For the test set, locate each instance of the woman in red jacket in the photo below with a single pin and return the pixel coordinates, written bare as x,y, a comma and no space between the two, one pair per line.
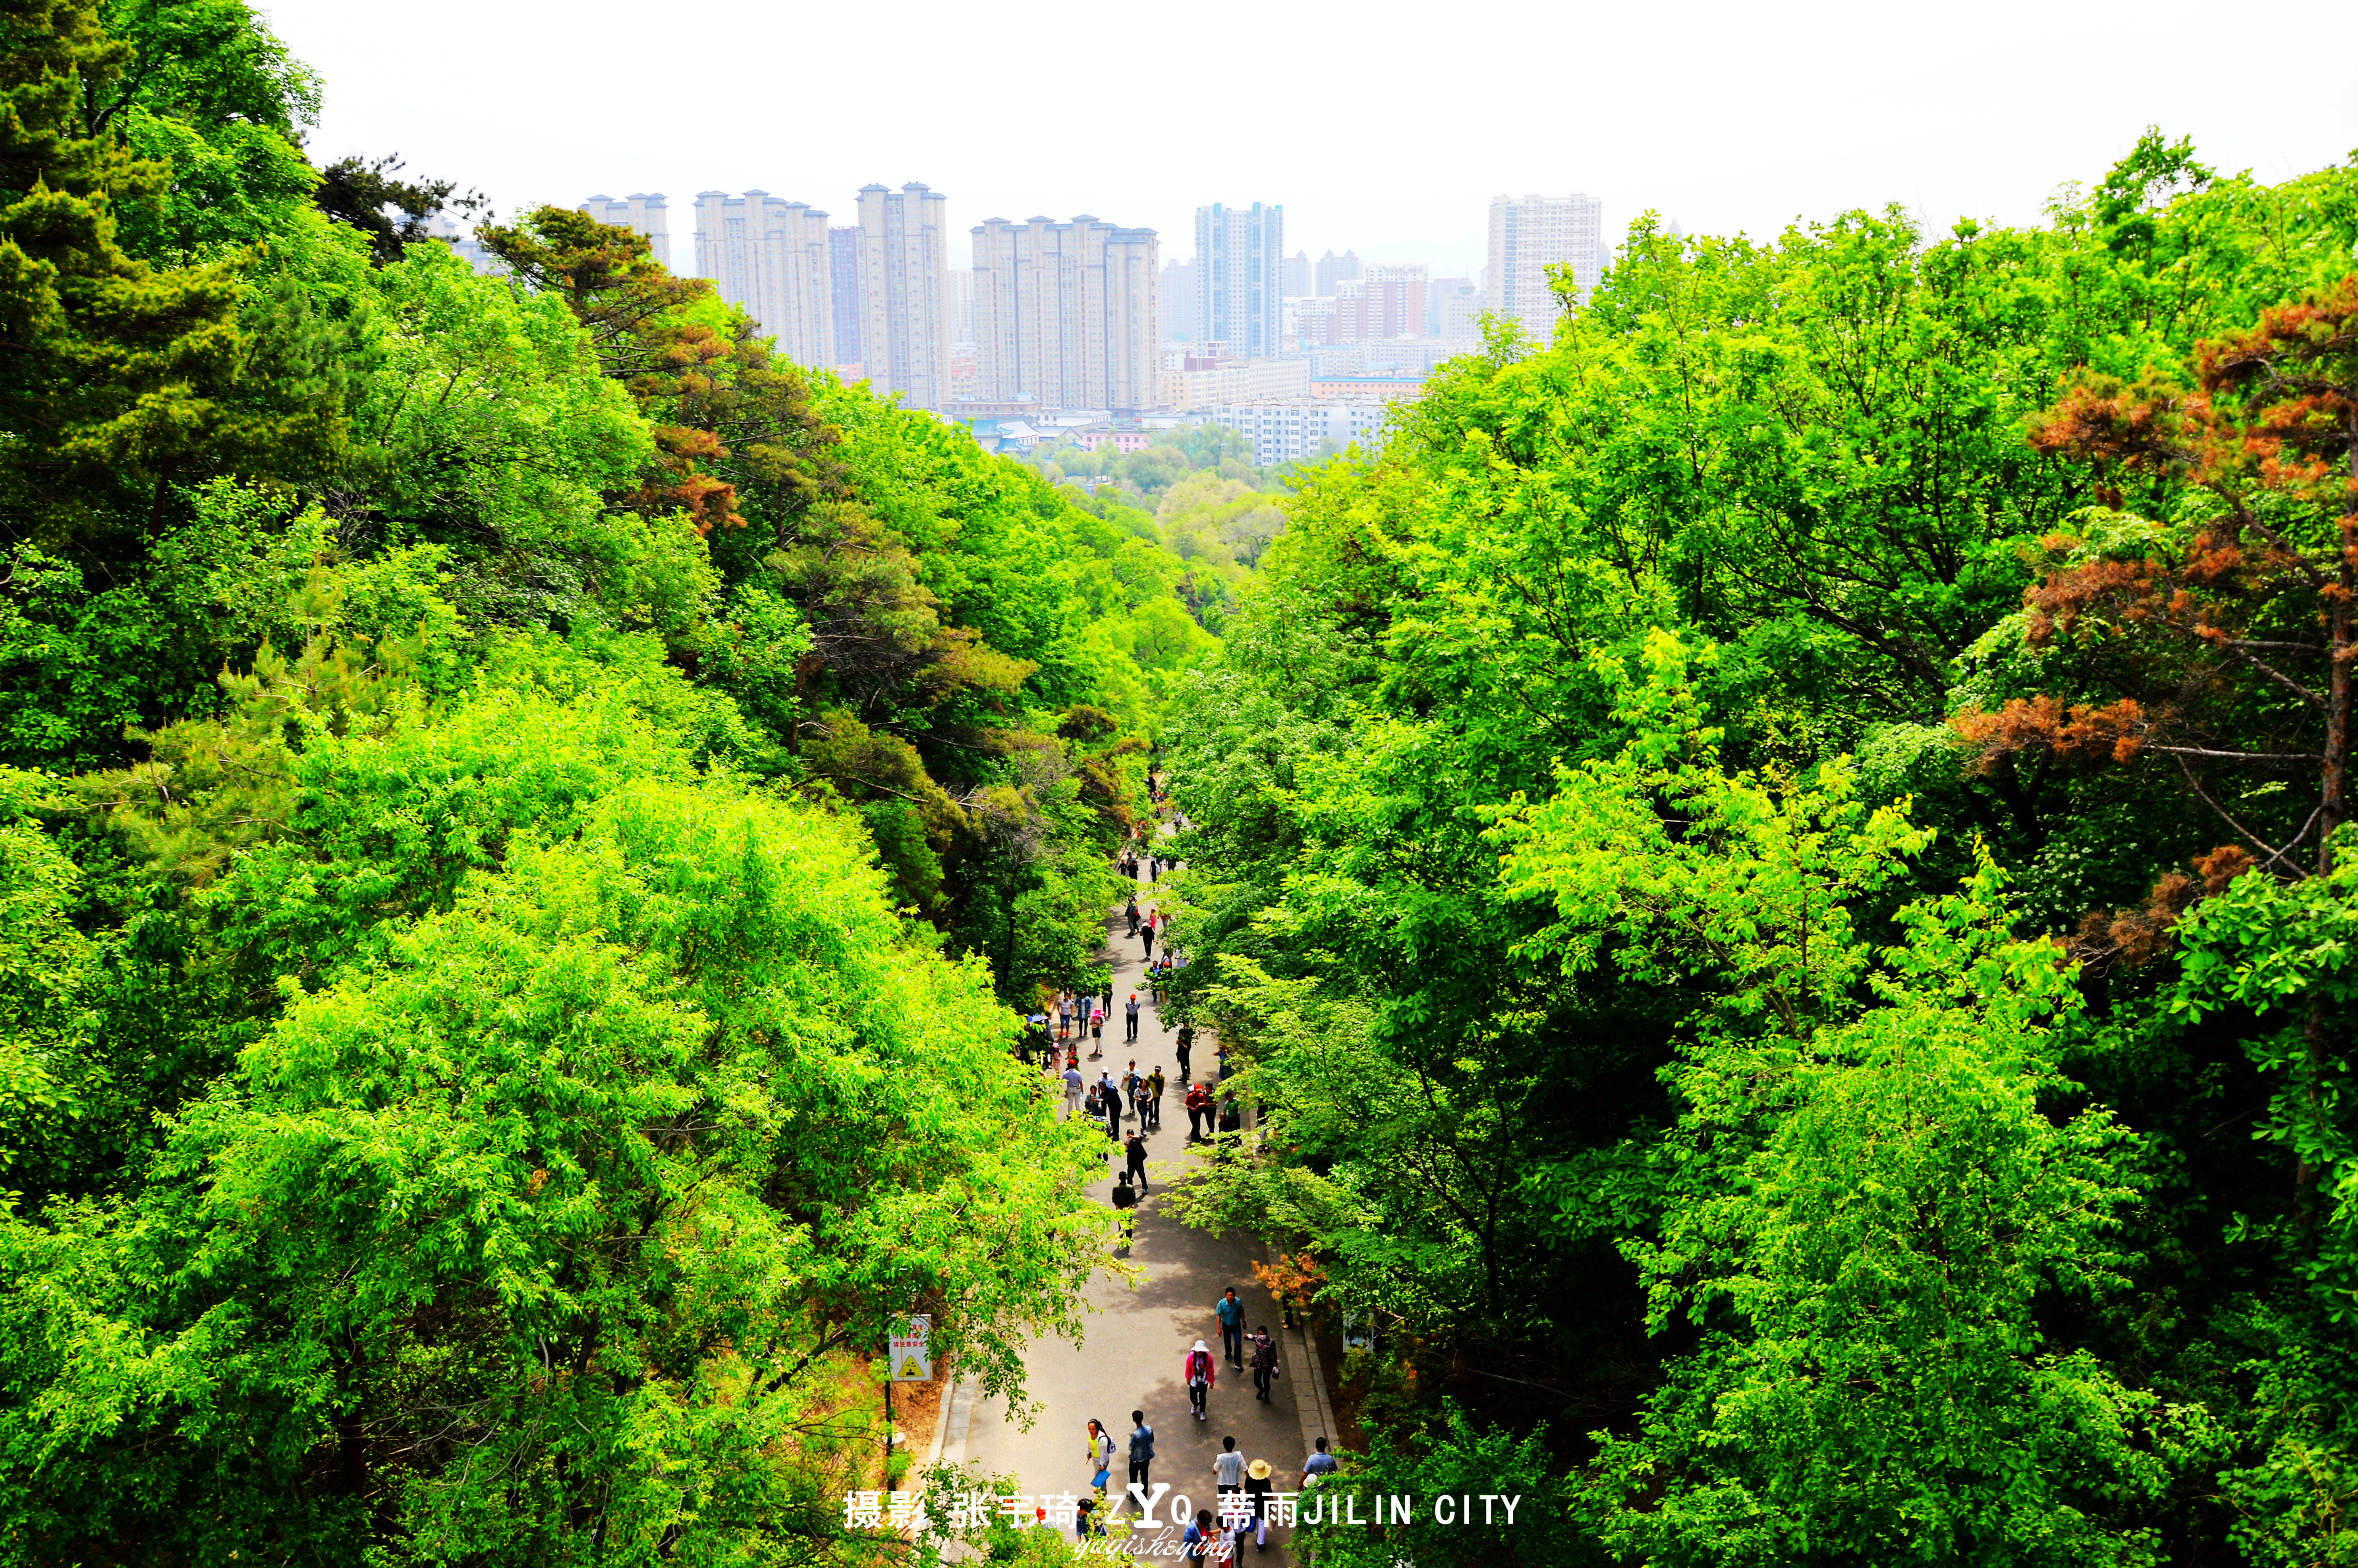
1199,1372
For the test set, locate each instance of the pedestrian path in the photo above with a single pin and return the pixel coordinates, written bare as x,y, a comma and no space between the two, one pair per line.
1137,1332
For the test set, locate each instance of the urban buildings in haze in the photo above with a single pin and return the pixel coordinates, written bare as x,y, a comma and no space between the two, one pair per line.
1241,278
1179,324
1382,303
773,257
1529,234
1455,307
1334,269
904,292
1068,315
1297,274
642,211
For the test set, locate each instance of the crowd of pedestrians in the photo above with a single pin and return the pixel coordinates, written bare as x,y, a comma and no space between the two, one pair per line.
1134,1097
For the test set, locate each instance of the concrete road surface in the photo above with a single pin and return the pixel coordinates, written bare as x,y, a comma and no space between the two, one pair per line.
1139,1333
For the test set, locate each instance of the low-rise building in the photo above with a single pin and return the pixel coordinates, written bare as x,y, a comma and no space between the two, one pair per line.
1234,381
1286,432
1364,388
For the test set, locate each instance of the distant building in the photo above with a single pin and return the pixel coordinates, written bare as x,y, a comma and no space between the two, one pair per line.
1241,278
1334,269
1068,315
642,212
904,304
1234,381
770,256
1528,235
1291,432
1386,302
1309,321
1362,388
961,306
445,228
843,280
1298,278
1178,298
1453,311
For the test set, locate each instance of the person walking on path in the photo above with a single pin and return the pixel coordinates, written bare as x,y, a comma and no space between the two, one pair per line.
1186,1044
1132,913
1136,1150
1100,1454
1196,1544
1228,1477
1072,1092
1125,1203
1150,1114
1142,1452
1264,1363
1258,1486
1109,1101
1146,935
1319,1463
1200,1373
1130,1009
1133,1088
1096,1029
1231,1311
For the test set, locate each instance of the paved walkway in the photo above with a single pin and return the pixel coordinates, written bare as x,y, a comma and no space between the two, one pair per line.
1138,1334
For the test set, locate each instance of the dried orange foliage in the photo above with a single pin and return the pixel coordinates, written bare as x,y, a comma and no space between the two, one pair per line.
2227,652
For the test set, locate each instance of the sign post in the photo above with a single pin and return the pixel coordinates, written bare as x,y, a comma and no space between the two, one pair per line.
913,1351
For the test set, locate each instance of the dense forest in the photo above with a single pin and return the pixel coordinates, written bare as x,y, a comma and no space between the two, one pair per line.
1780,861
521,815
1775,866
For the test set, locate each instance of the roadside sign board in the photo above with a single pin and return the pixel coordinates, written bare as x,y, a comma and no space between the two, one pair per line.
913,1352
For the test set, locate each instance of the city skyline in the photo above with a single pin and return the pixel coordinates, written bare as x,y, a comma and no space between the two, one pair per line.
1741,133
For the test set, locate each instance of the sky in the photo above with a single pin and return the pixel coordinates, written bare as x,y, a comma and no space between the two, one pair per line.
1381,128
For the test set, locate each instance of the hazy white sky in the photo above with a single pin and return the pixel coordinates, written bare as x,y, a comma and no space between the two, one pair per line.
1383,128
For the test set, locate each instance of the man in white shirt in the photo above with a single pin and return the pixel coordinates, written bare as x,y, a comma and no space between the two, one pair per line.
1072,1093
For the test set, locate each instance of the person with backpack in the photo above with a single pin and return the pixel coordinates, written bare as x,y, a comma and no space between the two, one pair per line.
1150,1101
1142,1452
1199,1373
1100,1454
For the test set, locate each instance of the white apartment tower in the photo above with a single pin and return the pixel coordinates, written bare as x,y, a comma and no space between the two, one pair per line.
642,211
1529,234
1240,278
770,256
1067,314
904,292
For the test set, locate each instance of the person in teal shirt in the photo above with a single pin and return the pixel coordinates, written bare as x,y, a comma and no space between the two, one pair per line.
1232,1314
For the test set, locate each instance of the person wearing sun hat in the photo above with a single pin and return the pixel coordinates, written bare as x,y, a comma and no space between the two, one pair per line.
1258,1486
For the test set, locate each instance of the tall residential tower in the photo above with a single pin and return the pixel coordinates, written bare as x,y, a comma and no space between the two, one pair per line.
1529,234
770,255
1067,314
1240,278
641,211
904,292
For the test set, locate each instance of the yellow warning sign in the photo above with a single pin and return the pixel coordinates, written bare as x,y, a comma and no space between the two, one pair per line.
912,1357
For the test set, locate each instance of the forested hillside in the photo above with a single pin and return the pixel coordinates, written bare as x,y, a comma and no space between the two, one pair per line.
1778,863
520,816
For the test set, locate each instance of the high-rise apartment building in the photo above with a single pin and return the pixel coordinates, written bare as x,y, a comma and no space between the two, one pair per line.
1179,324
1240,278
843,284
1332,269
904,292
1528,235
770,255
1298,276
1068,315
640,212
